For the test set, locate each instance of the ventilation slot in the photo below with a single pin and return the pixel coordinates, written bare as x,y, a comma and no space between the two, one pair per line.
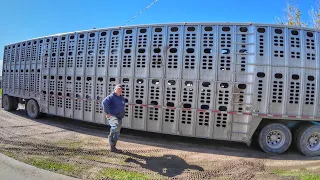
310,91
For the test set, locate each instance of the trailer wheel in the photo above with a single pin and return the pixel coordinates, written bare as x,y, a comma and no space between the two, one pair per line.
308,139
33,110
275,138
7,103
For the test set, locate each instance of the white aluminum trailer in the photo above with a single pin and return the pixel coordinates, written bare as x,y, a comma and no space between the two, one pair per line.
225,81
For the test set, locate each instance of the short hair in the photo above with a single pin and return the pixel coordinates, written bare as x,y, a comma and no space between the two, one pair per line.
118,86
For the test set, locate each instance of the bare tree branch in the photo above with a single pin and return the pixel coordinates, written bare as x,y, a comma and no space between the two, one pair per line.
315,16
292,16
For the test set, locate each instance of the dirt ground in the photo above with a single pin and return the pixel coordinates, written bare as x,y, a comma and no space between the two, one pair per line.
79,149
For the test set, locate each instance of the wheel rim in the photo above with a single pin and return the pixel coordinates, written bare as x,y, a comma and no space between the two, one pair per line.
275,139
313,143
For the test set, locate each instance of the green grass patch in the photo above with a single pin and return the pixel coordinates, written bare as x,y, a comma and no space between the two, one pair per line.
302,175
0,92
69,144
8,153
117,174
92,158
103,159
54,165
50,164
69,153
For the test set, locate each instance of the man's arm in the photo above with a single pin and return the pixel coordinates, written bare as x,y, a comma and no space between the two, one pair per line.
105,104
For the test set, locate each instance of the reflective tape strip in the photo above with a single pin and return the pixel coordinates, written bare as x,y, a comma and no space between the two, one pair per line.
198,110
202,110
277,115
248,114
186,109
173,108
154,106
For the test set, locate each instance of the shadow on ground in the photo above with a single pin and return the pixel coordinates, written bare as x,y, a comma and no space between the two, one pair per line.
167,165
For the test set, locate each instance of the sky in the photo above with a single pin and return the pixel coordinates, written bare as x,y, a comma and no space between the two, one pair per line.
25,19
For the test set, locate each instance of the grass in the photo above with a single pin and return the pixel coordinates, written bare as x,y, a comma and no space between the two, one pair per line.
54,165
69,144
114,160
117,174
303,175
0,92
8,153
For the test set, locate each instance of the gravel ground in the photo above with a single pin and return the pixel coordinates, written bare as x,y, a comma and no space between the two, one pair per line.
79,149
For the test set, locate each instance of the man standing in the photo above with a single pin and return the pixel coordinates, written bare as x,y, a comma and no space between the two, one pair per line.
114,107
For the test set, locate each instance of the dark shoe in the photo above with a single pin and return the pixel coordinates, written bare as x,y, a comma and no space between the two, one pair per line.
114,149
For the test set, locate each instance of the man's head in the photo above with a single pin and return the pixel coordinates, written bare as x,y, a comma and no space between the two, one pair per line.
118,89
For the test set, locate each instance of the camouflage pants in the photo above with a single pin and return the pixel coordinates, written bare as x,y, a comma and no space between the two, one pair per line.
115,127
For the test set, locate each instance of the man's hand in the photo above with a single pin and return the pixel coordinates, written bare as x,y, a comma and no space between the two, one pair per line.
108,115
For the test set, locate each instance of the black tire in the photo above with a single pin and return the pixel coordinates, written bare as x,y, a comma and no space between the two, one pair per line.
296,135
275,138
7,103
305,143
32,109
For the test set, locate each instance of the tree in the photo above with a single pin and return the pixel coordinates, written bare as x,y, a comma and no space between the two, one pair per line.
293,16
315,17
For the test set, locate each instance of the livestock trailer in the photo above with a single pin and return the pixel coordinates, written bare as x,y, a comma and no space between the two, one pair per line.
225,81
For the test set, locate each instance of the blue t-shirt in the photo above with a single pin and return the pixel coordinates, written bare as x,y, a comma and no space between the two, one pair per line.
114,105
